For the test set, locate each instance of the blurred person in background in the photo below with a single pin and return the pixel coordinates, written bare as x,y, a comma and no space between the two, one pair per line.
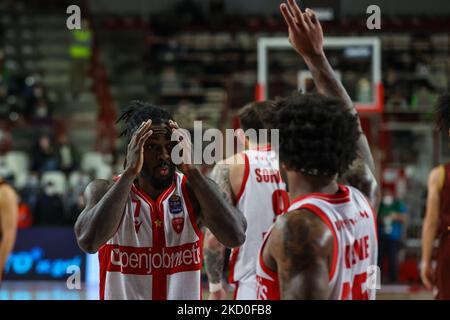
80,52
392,216
75,209
49,207
437,217
38,107
67,155
8,222
43,155
31,191
25,218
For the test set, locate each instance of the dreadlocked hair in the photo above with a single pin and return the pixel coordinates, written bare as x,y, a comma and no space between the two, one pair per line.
318,134
442,112
138,112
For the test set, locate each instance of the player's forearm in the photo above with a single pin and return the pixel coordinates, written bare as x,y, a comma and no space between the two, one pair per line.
429,231
226,222
6,247
96,225
325,79
220,175
214,253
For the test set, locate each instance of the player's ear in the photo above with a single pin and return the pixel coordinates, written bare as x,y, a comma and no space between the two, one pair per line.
242,139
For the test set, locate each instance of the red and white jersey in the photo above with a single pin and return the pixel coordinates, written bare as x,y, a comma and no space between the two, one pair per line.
262,197
352,222
156,252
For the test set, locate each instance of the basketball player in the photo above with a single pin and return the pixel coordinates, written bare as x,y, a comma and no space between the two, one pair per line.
251,181
146,224
8,222
437,218
324,246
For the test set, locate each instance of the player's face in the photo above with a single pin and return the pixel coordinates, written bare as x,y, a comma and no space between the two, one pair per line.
158,167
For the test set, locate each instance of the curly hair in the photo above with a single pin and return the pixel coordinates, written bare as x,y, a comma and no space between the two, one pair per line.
442,112
252,114
318,134
138,112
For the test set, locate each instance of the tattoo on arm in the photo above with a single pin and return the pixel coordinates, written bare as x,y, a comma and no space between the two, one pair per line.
214,261
221,175
214,251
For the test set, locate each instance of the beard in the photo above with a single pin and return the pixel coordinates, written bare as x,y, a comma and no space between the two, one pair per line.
159,183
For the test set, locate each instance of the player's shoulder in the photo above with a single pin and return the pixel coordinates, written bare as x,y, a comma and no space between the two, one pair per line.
301,227
438,169
300,222
7,192
237,159
437,176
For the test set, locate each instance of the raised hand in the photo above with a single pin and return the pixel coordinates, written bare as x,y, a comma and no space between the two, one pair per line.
135,153
305,31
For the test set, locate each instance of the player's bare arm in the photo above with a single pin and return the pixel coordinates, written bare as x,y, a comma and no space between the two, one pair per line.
106,201
8,223
306,37
214,212
300,247
214,251
431,224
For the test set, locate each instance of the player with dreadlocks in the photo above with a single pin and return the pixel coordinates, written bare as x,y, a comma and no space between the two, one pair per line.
437,217
146,224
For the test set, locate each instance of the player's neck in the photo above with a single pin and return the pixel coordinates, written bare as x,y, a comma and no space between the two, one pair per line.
149,188
301,185
258,146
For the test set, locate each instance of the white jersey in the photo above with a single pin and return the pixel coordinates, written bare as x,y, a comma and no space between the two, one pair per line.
262,197
156,252
352,222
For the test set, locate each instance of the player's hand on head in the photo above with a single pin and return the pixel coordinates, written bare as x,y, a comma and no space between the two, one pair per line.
184,139
305,31
135,153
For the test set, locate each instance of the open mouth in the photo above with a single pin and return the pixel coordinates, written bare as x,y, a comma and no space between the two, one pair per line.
164,170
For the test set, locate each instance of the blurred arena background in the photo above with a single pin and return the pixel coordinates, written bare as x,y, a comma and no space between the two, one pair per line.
61,91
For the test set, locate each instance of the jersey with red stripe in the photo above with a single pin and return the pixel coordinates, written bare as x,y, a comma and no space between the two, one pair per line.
156,252
262,197
350,218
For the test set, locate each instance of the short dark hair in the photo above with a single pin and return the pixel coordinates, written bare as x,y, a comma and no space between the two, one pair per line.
251,116
137,112
318,134
442,112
